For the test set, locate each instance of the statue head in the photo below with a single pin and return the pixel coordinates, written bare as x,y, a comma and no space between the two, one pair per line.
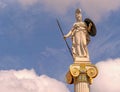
78,15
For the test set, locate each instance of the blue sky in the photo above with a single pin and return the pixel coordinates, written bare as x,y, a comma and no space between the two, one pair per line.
30,37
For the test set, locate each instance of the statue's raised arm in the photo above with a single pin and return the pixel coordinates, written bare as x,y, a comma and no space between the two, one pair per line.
80,35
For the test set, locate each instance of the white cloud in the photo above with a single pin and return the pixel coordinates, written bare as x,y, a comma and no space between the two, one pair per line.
57,6
96,9
99,9
28,81
108,78
54,6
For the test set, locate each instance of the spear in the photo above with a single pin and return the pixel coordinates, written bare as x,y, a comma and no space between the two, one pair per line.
63,37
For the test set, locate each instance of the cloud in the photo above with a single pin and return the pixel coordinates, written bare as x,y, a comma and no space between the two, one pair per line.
108,78
100,8
95,9
28,81
53,6
57,6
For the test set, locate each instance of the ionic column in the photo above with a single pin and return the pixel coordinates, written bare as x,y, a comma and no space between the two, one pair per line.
81,75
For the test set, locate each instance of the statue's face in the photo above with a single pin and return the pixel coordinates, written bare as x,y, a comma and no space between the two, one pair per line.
78,16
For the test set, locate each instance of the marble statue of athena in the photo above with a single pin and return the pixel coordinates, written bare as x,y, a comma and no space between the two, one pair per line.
79,36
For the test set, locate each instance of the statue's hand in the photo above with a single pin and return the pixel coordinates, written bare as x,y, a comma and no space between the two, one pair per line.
90,25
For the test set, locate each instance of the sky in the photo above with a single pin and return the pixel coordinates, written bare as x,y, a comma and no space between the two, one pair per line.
31,43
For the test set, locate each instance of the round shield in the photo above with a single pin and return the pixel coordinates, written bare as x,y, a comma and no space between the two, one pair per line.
93,30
